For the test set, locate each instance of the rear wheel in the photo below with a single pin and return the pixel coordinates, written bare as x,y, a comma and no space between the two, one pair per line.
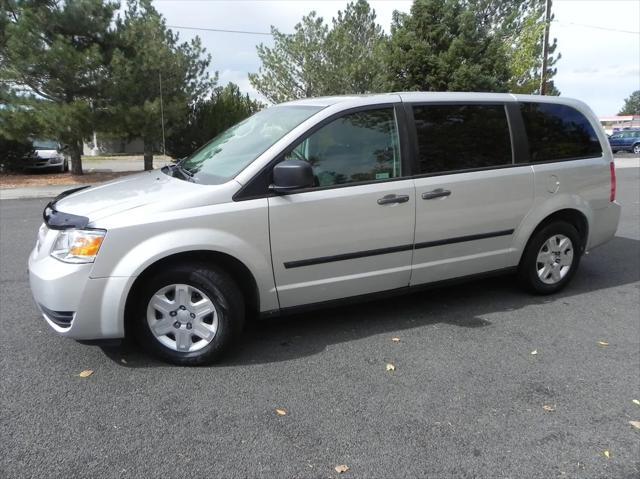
551,258
189,314
636,149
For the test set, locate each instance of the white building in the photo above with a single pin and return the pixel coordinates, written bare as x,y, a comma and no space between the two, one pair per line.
105,145
619,122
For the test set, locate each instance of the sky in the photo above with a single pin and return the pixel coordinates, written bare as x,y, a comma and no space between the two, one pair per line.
598,39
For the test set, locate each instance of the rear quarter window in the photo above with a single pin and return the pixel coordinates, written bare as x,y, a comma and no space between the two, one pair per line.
558,132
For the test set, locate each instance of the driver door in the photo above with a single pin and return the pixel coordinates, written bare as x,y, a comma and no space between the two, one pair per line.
352,233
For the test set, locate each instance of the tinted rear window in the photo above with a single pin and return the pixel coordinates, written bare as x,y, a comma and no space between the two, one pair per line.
558,132
461,137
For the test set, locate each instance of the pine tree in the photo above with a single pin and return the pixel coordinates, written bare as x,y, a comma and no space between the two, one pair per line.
150,59
444,45
631,105
317,60
208,118
57,54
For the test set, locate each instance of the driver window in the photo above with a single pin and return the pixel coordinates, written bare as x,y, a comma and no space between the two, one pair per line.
361,146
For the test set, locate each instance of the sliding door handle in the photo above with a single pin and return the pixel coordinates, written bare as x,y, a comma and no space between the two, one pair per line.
390,199
437,193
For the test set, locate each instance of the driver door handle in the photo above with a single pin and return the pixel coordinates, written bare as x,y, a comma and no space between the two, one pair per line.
390,199
437,193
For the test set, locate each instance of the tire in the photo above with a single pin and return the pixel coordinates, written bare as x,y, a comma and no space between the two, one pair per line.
561,263
636,149
177,336
65,168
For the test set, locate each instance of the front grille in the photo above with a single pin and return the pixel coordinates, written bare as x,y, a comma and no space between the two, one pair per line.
61,318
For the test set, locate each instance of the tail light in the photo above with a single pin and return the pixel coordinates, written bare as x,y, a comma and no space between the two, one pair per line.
612,195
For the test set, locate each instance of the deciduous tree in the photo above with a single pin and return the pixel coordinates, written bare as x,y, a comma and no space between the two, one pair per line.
522,24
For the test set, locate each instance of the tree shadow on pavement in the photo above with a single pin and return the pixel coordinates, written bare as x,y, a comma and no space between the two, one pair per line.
282,339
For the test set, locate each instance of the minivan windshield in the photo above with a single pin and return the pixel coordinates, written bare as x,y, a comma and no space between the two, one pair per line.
230,152
45,145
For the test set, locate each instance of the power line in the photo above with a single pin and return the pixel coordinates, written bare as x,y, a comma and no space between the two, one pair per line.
251,32
248,32
597,27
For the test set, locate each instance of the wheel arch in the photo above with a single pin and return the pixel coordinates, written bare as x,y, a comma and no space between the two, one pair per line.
240,273
574,217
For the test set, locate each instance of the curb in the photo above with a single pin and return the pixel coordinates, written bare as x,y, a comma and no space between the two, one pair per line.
35,192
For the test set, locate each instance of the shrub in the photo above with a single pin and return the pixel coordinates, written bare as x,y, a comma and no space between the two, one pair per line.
12,154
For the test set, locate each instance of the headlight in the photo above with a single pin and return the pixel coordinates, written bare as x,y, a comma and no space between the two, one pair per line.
78,246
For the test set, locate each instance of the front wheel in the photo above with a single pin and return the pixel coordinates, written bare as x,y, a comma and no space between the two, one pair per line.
636,149
551,258
189,314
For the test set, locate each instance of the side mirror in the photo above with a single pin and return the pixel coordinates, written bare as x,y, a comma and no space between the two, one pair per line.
291,175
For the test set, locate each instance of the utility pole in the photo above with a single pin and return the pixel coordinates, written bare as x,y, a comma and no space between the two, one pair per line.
164,151
545,48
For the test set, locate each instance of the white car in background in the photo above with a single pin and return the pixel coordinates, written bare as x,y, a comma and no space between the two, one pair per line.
47,154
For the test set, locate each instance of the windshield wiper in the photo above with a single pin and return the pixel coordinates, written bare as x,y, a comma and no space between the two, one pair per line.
186,174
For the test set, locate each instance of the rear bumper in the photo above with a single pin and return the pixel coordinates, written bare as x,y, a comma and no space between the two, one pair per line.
75,305
604,225
622,148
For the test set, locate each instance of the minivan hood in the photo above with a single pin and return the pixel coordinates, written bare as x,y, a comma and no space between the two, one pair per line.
45,154
134,191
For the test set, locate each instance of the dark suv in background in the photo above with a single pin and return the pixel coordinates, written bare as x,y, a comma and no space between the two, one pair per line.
626,140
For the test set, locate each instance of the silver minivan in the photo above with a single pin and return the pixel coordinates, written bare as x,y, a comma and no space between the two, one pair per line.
317,201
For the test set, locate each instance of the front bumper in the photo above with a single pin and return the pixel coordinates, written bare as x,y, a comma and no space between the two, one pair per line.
73,303
44,164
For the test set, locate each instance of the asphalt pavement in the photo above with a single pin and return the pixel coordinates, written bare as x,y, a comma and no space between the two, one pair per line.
466,400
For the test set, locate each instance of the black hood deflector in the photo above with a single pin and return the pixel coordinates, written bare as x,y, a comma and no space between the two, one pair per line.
58,220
